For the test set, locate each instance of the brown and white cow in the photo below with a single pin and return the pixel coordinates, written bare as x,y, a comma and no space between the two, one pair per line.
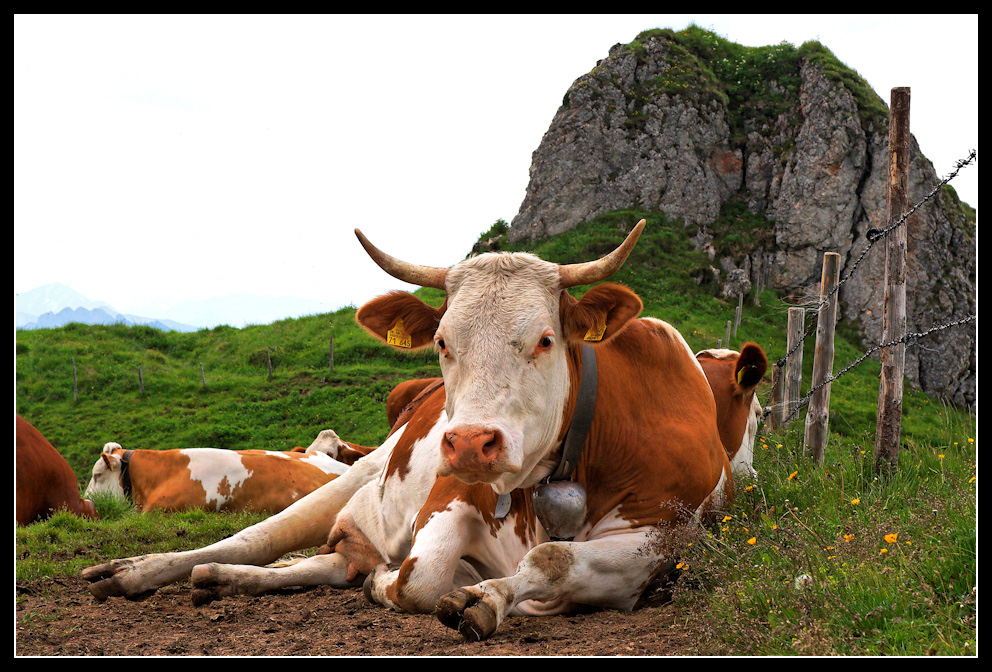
405,393
418,515
734,376
44,481
211,479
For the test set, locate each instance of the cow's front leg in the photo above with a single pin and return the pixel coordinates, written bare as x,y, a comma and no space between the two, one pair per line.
434,565
609,572
304,524
213,581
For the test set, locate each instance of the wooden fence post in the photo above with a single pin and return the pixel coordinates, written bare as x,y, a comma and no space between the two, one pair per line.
75,386
728,334
141,382
737,313
203,377
894,303
815,438
777,416
794,363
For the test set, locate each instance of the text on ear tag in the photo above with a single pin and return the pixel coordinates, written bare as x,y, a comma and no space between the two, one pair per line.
397,335
596,333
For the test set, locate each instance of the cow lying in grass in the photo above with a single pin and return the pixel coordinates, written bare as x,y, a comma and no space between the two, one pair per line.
442,517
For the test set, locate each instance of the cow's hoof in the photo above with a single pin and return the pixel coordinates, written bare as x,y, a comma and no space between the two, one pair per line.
207,585
367,588
105,581
470,615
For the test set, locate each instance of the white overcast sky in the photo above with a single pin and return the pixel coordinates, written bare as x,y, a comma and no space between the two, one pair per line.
159,159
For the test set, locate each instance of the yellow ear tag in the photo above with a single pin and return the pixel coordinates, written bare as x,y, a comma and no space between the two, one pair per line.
740,374
397,336
596,333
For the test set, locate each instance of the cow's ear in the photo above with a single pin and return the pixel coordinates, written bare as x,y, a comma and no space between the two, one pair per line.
112,461
600,315
751,366
400,319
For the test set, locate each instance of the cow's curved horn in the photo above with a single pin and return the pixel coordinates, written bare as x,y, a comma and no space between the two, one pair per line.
594,271
415,274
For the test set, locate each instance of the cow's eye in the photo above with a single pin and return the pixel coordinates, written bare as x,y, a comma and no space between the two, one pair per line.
546,342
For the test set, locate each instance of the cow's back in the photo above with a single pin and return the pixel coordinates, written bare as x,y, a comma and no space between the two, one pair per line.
655,439
45,482
215,479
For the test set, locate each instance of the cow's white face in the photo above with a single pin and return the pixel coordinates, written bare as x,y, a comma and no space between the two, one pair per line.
106,473
501,338
501,351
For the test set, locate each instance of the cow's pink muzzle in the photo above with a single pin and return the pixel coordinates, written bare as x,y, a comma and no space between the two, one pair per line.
474,449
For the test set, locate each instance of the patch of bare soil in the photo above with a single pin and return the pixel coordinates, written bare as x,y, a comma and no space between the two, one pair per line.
59,617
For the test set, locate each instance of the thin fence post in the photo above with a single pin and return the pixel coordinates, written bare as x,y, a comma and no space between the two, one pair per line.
75,385
778,414
141,382
203,377
737,313
728,334
889,420
794,363
818,413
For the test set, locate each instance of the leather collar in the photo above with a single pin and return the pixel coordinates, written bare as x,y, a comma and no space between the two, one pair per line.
126,473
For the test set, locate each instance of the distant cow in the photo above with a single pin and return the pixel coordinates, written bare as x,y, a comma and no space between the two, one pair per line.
733,376
403,394
45,481
211,479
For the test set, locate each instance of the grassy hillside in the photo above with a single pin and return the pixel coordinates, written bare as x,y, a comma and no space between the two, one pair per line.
891,562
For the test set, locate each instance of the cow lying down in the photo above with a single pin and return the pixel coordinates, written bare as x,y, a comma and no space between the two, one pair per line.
442,517
212,479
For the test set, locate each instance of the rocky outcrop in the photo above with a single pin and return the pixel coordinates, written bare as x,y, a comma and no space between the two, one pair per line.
686,122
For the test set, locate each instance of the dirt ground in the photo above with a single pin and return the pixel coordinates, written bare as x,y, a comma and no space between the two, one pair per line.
59,617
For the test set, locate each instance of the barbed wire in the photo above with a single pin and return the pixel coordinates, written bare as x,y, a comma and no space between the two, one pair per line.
873,235
909,339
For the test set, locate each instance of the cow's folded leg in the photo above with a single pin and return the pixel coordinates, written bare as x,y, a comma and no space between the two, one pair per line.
304,524
608,572
435,565
213,581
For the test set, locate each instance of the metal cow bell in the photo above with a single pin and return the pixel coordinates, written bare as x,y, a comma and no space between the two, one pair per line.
561,508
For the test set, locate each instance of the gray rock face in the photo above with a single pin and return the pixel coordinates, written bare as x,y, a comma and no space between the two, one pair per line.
627,136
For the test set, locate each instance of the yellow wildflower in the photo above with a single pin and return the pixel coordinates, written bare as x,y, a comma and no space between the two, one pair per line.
884,550
725,519
891,538
848,537
752,540
855,500
793,475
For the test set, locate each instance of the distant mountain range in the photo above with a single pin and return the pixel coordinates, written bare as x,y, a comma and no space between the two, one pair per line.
56,305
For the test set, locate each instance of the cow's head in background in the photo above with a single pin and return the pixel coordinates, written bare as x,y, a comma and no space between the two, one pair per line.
504,335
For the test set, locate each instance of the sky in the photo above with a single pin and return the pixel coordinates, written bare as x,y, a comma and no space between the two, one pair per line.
161,159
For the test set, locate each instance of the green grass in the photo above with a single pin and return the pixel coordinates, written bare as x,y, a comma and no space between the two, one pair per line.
916,597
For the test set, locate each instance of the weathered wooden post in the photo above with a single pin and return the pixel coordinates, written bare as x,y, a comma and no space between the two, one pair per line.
793,363
728,334
894,303
203,378
737,313
777,417
815,438
141,382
